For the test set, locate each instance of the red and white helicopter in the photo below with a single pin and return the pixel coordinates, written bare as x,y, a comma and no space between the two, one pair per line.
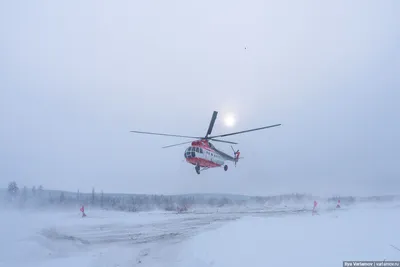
202,153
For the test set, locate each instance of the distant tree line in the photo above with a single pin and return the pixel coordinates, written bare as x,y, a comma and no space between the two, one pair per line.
39,197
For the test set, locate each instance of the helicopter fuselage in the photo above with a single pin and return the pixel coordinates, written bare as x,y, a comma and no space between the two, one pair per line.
203,156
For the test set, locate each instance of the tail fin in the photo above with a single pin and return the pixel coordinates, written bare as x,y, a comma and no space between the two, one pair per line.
236,155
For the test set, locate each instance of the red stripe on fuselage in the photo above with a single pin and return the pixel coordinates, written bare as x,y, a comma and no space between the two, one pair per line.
202,162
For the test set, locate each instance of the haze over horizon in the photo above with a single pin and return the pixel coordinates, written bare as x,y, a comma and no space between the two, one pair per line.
76,77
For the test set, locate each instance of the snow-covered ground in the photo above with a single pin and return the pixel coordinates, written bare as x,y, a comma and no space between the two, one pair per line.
221,238
365,232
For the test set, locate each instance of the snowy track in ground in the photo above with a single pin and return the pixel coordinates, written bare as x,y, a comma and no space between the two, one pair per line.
110,238
148,227
172,228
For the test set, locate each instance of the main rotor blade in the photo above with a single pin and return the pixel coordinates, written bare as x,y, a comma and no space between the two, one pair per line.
245,131
223,141
177,144
211,126
173,135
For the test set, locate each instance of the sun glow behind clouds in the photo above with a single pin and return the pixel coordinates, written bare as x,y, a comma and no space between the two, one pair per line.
229,120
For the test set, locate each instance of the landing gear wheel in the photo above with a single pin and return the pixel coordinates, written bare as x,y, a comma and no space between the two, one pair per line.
197,168
225,167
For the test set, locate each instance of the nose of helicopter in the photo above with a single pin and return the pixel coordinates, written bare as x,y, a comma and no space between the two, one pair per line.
190,153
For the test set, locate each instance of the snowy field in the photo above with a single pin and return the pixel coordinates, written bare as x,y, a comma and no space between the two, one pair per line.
218,238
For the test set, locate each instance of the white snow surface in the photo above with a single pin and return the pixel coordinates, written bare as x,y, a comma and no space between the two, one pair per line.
327,239
217,239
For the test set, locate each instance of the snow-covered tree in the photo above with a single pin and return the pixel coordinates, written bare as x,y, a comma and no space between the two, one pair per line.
24,195
62,197
93,195
40,191
13,188
102,199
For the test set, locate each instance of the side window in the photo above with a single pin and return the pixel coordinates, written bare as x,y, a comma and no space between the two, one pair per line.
197,150
201,150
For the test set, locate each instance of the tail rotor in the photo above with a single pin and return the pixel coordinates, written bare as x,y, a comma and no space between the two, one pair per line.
236,155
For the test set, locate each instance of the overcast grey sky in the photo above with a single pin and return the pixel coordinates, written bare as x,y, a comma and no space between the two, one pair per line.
77,76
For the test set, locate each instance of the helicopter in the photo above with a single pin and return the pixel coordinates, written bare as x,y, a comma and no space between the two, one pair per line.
202,153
